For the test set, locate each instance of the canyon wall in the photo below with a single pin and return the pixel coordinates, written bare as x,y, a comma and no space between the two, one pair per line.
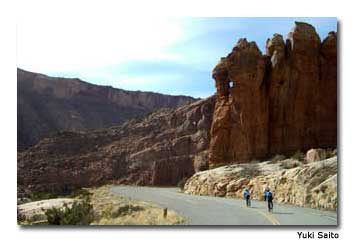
160,149
47,105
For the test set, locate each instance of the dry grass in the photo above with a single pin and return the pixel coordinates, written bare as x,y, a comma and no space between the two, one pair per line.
112,209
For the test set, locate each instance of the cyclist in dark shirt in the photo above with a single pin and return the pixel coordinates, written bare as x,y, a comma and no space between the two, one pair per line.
269,198
265,192
247,196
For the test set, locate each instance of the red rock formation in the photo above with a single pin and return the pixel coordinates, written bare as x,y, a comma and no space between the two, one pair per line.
327,127
280,102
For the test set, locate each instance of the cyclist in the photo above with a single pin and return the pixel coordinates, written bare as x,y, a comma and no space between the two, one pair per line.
247,196
269,198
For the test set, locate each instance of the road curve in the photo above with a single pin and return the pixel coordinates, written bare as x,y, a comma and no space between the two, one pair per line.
204,210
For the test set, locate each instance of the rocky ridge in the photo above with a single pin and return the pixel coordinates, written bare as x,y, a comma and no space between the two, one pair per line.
47,105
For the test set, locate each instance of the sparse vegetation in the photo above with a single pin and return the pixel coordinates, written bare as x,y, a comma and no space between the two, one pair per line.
298,155
79,213
277,158
124,210
290,163
98,206
330,152
248,171
111,209
81,193
323,188
36,196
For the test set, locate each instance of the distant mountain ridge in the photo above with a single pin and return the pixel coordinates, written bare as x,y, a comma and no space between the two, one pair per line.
47,105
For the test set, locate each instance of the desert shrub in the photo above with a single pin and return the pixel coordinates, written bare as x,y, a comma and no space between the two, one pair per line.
330,152
126,209
79,213
22,200
290,163
37,219
298,155
111,211
248,171
36,196
323,188
81,193
182,182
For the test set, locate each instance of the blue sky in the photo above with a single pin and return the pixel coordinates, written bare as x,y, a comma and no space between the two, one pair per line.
166,55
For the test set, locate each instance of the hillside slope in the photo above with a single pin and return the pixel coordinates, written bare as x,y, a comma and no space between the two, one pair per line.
47,105
160,149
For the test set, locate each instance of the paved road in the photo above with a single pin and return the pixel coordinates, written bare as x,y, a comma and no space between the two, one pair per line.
204,210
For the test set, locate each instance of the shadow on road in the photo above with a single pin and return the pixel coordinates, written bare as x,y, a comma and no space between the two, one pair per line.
260,207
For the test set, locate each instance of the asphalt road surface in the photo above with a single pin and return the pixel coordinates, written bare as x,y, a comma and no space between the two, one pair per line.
205,210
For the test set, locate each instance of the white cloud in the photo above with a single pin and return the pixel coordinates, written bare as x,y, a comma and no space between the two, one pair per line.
67,45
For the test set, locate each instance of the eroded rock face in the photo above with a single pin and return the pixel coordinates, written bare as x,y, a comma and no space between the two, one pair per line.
276,103
236,131
160,149
309,185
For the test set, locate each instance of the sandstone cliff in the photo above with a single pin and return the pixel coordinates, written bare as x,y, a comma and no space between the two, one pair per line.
161,149
276,103
47,105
